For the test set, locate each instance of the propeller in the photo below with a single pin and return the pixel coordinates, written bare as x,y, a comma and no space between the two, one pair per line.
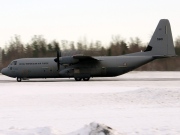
57,59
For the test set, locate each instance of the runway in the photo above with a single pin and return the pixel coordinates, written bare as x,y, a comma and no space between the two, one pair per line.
134,78
134,103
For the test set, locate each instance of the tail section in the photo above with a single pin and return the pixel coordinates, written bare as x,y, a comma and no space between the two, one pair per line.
161,43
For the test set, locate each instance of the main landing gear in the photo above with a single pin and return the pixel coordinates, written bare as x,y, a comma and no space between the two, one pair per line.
19,79
84,79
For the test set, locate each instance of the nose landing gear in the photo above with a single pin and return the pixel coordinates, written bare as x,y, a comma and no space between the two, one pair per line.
19,79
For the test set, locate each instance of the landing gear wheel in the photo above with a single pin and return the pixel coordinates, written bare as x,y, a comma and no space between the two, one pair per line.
18,79
78,79
86,79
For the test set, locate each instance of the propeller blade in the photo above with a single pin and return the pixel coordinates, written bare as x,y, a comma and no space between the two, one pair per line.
58,54
57,60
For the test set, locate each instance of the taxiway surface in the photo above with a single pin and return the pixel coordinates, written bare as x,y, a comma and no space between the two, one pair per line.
134,103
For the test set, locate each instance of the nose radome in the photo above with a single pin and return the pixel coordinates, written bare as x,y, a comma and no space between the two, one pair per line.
3,71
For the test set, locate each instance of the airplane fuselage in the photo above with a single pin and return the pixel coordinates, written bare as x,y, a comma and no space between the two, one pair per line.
47,68
84,67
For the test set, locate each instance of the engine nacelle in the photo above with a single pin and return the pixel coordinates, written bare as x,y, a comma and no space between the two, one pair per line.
66,72
68,60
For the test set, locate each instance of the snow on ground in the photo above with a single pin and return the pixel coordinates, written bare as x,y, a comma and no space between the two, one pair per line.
95,129
137,103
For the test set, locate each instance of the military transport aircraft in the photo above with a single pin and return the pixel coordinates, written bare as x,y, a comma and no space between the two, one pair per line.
84,67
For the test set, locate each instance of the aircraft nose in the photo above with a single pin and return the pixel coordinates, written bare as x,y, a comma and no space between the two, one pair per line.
3,71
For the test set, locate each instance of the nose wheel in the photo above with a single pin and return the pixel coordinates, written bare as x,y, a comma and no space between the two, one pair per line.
19,79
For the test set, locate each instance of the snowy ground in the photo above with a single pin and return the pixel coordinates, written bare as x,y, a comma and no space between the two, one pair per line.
137,103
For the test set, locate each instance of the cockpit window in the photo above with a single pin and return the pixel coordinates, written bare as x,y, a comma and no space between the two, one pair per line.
14,63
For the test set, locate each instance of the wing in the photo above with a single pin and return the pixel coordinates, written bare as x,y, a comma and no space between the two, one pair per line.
85,58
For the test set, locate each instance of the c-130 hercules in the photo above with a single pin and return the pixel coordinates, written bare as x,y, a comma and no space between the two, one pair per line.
84,67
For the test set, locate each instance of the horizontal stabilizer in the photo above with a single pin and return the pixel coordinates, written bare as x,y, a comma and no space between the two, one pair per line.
162,56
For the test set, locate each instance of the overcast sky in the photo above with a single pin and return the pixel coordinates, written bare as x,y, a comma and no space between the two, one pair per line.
94,19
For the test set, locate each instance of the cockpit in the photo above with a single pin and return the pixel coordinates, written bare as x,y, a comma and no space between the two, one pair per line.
10,70
13,63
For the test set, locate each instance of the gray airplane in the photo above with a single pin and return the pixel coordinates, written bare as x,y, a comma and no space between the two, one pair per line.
84,67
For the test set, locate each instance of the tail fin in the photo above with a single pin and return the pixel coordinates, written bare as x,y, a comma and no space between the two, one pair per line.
161,43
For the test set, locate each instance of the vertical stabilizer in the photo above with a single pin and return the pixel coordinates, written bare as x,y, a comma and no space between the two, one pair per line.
161,43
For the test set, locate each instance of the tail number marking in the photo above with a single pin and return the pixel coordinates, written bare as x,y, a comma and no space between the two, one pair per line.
159,39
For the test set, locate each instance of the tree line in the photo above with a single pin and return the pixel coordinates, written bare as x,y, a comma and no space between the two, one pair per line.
39,47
